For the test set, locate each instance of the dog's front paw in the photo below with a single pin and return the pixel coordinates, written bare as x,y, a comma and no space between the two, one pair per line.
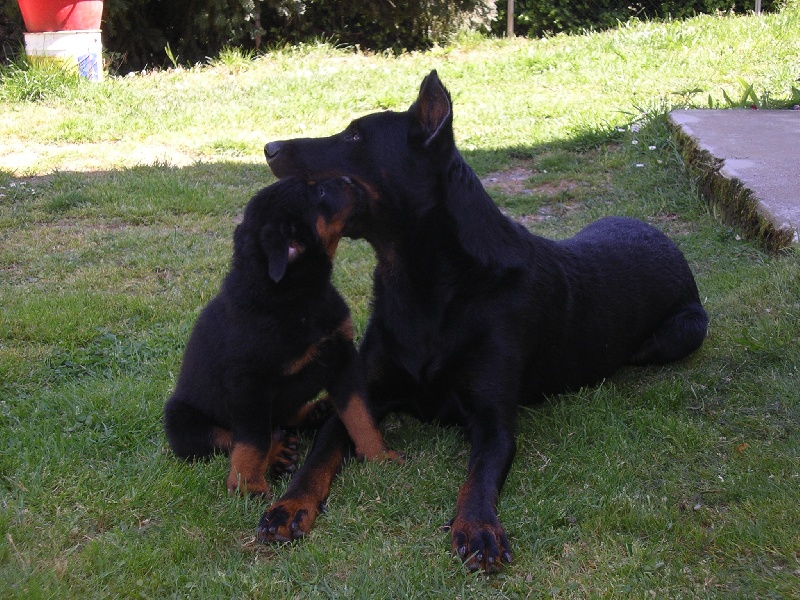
481,545
287,520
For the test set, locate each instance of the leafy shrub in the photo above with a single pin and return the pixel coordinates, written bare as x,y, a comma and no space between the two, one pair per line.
11,43
538,17
397,25
139,34
140,30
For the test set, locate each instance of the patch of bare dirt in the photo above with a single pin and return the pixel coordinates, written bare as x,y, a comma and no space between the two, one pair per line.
516,181
511,182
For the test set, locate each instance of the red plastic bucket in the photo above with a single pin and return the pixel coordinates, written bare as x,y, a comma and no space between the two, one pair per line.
61,15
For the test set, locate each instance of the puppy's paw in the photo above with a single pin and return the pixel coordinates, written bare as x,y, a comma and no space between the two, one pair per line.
288,520
283,455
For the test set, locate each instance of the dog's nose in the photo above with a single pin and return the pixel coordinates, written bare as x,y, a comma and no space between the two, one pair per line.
272,149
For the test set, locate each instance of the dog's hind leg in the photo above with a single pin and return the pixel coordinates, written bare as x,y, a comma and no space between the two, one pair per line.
191,433
677,336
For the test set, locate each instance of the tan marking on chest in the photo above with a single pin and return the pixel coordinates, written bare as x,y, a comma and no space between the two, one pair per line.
294,366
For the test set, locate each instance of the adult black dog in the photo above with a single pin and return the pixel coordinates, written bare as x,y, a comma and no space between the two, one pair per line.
472,313
276,334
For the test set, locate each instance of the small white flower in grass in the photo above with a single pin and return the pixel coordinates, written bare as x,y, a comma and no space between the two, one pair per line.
634,142
651,147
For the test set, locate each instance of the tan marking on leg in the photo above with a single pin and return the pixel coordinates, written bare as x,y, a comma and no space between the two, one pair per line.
363,431
248,469
222,439
346,329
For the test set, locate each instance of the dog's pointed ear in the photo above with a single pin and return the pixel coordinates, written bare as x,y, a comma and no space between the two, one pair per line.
276,247
433,109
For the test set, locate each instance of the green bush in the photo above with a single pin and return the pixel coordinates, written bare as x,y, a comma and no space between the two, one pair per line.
11,28
397,25
140,34
539,17
138,31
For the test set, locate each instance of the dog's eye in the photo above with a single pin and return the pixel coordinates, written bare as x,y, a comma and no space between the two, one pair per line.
352,136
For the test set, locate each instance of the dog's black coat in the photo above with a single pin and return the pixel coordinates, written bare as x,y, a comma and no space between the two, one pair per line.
473,314
277,334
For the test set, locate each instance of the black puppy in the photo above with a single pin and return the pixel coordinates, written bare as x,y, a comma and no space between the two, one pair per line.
276,335
472,313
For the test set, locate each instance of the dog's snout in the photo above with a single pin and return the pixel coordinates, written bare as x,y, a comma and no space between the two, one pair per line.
272,149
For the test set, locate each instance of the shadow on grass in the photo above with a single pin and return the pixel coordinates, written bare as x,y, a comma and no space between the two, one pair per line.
553,181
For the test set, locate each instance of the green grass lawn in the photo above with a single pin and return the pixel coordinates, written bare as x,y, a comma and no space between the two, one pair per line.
117,207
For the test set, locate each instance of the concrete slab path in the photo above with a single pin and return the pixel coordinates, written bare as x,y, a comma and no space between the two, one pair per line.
748,165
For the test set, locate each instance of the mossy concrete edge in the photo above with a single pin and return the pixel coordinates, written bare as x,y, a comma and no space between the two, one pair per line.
728,197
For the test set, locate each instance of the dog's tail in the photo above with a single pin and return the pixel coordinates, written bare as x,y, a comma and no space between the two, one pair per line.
676,337
192,434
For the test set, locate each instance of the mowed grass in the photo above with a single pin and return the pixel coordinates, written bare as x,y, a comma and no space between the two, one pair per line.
117,206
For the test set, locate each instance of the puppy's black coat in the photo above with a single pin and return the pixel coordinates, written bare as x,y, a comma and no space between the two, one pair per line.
472,313
275,336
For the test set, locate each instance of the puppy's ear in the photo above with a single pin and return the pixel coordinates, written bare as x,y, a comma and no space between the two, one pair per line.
281,248
433,109
276,247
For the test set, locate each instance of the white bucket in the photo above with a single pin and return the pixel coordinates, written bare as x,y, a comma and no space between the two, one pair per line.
82,49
